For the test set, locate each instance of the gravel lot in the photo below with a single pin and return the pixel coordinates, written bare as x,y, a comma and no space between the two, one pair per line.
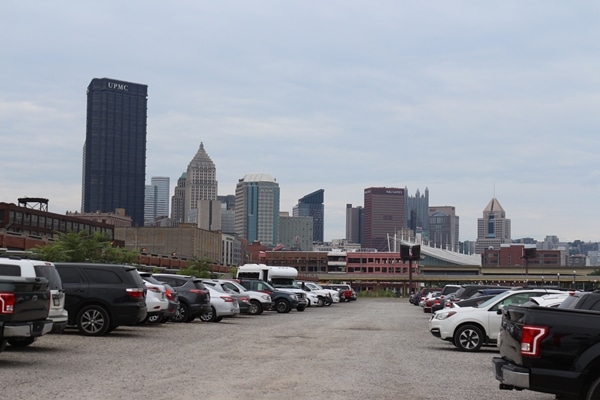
367,349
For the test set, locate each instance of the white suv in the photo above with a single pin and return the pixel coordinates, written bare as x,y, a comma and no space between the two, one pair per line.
325,297
468,328
259,301
16,266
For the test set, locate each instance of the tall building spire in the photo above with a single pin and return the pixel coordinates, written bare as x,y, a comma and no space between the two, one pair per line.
201,181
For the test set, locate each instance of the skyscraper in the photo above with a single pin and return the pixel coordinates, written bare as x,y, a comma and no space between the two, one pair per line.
443,228
383,217
417,213
114,153
354,224
157,199
201,182
311,205
493,229
257,209
178,201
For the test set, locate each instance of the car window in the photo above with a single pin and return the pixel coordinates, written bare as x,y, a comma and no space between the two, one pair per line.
49,272
10,270
231,286
69,275
103,276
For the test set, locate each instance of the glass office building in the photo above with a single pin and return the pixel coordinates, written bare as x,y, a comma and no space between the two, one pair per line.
114,154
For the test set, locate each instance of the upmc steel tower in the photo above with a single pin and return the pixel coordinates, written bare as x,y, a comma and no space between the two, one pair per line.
383,216
114,154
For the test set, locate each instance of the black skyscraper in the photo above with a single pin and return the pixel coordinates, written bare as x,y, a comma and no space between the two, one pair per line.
114,154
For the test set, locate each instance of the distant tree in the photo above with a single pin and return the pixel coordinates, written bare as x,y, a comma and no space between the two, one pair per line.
199,268
84,247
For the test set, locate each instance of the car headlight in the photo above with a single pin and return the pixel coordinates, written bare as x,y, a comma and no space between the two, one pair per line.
441,315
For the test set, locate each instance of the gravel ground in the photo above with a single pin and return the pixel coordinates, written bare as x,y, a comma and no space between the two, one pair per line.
367,349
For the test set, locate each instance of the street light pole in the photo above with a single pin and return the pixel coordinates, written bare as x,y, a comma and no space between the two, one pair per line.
574,277
558,279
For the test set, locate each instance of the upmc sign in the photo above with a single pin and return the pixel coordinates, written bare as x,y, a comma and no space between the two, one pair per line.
118,86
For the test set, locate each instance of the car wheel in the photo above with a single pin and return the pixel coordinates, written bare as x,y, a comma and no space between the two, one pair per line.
468,338
218,319
255,307
282,306
153,318
21,341
208,316
182,314
301,308
321,301
594,390
93,321
328,301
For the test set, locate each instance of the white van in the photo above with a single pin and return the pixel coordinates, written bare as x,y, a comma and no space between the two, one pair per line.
15,266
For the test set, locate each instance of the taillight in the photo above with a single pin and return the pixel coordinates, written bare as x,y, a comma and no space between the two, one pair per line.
531,336
7,303
153,289
169,294
198,291
228,299
135,293
437,301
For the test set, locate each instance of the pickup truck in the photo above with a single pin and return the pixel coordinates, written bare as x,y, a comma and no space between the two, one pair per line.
550,350
24,307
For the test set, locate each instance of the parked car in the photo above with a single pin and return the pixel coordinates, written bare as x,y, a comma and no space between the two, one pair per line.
259,301
325,297
16,266
173,299
101,297
24,304
431,299
242,298
547,300
222,305
469,328
420,294
194,297
346,292
156,298
283,301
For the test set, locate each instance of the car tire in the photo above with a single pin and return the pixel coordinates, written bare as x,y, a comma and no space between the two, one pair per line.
328,301
593,390
153,318
209,316
321,302
93,321
301,308
21,342
255,307
282,306
468,338
218,319
182,314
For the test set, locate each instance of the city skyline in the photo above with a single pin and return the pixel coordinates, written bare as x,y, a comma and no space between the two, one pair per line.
471,101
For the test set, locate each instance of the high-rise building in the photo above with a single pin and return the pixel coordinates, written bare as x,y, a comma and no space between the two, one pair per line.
201,182
296,233
443,228
257,209
114,153
178,201
157,199
311,205
383,217
493,229
354,224
417,213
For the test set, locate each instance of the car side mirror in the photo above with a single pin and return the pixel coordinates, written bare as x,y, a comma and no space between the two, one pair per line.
500,308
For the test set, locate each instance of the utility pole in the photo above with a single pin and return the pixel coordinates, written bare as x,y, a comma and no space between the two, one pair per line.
410,253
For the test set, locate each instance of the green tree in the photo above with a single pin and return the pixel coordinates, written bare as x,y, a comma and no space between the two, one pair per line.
84,247
199,268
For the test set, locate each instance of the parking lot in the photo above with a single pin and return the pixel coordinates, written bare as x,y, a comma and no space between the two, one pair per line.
366,349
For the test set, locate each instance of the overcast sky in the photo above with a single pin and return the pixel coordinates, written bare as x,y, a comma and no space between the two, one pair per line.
469,99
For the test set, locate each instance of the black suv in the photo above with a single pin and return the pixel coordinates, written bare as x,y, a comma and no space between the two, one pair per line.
283,301
194,297
101,297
